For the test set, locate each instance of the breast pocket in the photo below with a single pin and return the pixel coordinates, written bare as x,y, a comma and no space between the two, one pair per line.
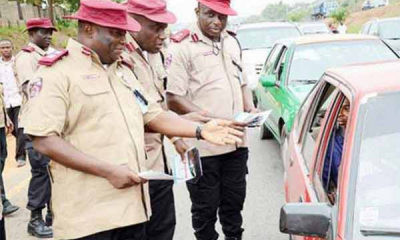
208,69
95,97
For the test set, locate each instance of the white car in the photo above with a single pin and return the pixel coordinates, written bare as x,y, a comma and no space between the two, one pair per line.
257,40
314,28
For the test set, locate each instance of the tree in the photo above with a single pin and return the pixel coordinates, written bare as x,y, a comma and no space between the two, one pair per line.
340,15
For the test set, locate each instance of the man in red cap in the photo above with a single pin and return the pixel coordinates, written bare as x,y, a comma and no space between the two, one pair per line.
93,113
205,75
40,32
143,49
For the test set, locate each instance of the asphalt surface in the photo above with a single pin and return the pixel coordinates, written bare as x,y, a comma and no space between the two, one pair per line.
265,195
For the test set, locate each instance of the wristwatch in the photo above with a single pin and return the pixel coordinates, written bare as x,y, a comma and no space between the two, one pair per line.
199,129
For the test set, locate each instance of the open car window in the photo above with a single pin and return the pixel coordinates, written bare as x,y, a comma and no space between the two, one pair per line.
312,126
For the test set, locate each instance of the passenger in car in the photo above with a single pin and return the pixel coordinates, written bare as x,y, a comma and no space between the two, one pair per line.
334,152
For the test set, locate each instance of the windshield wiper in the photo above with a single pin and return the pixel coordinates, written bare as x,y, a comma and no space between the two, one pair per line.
396,38
305,81
379,231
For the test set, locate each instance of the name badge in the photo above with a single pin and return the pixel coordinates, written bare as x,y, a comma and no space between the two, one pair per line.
141,101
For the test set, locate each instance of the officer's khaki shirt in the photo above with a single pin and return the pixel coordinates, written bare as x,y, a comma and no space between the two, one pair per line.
210,81
26,65
96,111
149,71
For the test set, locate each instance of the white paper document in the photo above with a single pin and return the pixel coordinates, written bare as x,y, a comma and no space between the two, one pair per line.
182,170
152,175
253,120
190,168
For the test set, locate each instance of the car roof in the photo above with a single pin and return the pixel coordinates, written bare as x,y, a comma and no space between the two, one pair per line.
368,78
265,25
321,38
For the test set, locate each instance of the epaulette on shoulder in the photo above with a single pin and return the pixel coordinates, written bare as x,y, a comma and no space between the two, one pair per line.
127,63
179,36
50,59
28,49
129,46
232,33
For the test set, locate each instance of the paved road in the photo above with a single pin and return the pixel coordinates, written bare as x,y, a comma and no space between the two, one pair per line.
261,214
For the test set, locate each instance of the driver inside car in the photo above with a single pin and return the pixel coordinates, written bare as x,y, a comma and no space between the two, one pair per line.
334,152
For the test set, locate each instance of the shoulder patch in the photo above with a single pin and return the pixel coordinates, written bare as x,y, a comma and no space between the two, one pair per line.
49,60
28,49
179,36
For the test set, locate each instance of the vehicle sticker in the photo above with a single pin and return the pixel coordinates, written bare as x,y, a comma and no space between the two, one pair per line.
369,216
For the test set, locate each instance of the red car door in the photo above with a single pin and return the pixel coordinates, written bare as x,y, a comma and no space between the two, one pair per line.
305,143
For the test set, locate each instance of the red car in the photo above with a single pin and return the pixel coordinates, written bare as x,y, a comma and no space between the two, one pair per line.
342,172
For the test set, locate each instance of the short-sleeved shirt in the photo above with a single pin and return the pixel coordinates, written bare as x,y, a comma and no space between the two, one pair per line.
12,96
26,65
97,111
209,75
148,69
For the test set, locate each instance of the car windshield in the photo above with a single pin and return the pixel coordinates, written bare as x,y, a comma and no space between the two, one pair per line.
377,195
315,28
390,30
257,38
321,56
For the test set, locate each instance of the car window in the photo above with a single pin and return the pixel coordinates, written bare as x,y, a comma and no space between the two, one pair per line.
328,165
279,65
264,38
272,58
321,56
373,30
389,30
313,122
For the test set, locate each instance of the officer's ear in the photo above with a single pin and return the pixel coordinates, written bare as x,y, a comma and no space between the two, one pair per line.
197,10
87,29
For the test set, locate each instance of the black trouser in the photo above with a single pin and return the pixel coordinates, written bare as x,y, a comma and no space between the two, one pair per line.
135,232
39,191
162,222
20,153
222,188
2,230
3,156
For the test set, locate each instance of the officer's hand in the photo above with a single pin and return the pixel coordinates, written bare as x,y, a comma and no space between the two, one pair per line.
253,110
221,132
181,147
9,127
197,117
123,177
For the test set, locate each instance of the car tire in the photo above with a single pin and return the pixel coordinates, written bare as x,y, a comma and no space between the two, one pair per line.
265,133
283,144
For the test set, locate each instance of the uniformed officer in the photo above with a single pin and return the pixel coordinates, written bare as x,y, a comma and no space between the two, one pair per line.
144,51
93,113
205,74
40,32
6,126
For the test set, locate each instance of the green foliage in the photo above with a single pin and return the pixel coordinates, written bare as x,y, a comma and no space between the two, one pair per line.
340,15
298,15
275,12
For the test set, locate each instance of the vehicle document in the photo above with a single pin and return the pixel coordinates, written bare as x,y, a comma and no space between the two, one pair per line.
188,169
253,120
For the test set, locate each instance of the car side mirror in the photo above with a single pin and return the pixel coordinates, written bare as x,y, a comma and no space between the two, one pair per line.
306,219
268,81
